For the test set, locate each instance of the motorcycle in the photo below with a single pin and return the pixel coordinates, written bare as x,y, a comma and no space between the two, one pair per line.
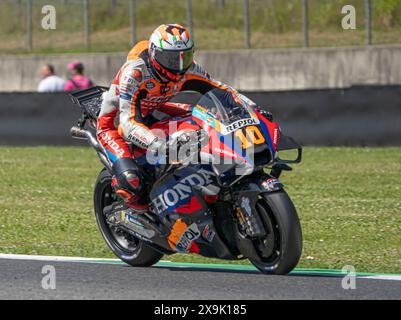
229,205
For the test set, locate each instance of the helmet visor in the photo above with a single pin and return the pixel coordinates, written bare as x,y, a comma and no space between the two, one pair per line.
176,61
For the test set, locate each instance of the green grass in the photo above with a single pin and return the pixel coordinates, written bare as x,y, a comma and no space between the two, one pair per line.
273,23
349,201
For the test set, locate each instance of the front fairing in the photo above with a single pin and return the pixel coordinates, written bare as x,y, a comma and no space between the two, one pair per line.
239,144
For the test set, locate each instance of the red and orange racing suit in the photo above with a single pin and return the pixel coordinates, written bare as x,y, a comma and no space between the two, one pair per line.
136,93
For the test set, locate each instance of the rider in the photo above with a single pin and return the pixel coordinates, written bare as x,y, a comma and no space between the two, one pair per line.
155,71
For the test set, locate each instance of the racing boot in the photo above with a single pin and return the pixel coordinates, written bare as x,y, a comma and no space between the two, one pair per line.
131,200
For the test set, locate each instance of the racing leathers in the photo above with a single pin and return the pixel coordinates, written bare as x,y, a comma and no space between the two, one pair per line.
135,94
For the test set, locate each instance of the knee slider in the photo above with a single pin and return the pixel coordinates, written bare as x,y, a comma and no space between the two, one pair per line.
128,175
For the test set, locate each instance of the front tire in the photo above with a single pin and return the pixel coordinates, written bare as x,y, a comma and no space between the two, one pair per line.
128,248
284,236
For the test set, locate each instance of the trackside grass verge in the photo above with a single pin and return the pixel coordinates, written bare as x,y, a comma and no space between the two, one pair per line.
349,201
273,24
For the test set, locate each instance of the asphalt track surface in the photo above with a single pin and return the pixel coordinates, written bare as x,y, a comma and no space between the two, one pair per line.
22,279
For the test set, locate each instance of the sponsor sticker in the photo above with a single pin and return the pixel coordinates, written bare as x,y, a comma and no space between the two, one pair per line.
150,85
138,75
136,226
112,144
220,127
139,139
127,80
190,234
246,205
272,184
239,124
224,152
181,191
208,233
275,135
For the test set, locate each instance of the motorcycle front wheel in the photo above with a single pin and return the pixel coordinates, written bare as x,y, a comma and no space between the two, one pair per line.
280,250
125,246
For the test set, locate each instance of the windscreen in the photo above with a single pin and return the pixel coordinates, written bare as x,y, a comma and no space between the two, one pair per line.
222,106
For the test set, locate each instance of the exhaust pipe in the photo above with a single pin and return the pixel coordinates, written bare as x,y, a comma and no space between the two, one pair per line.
80,133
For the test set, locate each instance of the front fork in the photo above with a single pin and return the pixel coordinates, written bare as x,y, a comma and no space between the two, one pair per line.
247,216
245,205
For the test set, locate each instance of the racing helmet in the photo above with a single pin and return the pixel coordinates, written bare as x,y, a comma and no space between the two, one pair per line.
171,52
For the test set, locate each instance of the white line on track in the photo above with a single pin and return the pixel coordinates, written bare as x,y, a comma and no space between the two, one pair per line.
52,258
382,277
118,261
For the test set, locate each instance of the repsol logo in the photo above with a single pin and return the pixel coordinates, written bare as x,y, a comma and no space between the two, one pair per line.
181,191
185,241
240,123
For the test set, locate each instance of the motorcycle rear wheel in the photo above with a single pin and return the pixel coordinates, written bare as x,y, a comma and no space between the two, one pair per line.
283,242
126,247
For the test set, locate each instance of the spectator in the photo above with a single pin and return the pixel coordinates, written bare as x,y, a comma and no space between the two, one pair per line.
77,80
50,82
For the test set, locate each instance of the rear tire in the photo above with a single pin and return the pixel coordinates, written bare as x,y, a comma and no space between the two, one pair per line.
135,252
281,221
